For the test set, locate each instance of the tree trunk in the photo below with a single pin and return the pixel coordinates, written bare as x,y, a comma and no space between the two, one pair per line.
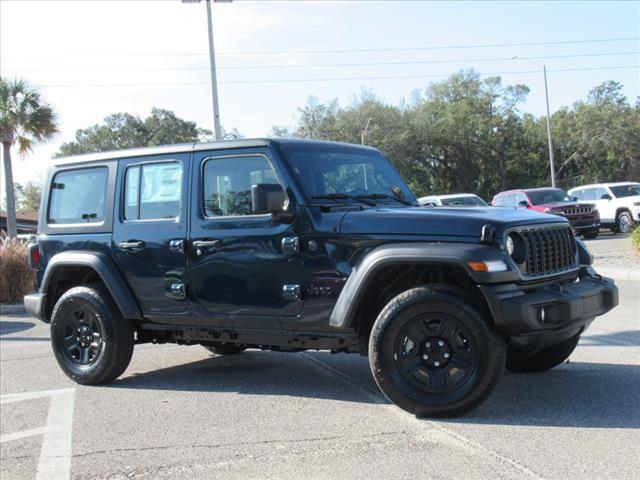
12,229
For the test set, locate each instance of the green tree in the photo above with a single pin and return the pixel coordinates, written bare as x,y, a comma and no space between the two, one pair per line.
28,196
24,119
123,130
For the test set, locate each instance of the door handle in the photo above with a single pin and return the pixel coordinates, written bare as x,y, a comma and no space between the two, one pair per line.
206,245
132,245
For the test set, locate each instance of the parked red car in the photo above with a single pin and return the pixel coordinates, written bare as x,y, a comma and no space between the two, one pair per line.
584,218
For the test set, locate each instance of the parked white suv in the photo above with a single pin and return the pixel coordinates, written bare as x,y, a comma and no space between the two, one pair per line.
457,200
618,203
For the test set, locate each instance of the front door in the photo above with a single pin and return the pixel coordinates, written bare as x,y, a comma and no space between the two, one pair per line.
243,265
150,231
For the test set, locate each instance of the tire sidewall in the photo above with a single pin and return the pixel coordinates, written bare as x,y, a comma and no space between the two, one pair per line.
91,300
629,222
392,321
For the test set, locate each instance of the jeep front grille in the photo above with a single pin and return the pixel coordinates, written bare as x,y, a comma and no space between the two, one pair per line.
549,250
580,210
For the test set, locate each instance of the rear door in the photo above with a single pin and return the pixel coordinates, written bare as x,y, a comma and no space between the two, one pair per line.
240,262
150,230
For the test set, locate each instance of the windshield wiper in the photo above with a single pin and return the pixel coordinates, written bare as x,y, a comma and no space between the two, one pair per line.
344,196
384,195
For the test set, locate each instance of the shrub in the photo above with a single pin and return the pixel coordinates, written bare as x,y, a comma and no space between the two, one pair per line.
16,276
635,237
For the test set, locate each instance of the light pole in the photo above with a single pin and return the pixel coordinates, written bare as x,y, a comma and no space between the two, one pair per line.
546,94
212,63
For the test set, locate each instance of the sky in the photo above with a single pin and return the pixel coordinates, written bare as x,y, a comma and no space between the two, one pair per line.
91,59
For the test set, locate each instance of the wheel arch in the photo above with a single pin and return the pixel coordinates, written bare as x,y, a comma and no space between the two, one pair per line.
390,269
69,269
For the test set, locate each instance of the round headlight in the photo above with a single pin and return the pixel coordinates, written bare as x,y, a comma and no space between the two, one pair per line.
516,247
510,245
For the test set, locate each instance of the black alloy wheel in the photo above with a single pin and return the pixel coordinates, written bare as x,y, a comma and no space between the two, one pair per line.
433,354
82,336
436,353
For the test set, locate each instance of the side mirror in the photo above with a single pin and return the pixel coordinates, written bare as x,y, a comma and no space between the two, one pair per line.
606,196
267,198
523,203
575,199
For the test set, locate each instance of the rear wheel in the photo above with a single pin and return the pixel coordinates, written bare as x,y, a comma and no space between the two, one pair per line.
591,234
225,348
432,354
91,341
542,361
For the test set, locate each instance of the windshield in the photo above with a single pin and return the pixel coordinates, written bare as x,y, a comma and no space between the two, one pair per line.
466,201
553,195
328,170
622,191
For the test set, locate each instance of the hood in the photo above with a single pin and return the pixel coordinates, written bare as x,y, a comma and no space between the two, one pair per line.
441,221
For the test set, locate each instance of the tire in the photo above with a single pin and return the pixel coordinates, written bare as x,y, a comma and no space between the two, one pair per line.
423,325
624,223
225,349
591,234
542,361
92,343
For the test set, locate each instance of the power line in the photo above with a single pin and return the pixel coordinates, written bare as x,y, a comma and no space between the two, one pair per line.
353,50
334,79
325,65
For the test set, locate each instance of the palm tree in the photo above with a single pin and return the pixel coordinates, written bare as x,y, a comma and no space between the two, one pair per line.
25,119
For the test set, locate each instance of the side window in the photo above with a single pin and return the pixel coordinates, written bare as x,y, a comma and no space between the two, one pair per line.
521,198
152,191
589,194
227,183
509,200
78,196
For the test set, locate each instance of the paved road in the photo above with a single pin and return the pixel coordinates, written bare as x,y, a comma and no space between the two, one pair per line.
180,412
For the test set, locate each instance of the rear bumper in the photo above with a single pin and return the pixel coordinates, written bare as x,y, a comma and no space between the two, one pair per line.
551,310
34,304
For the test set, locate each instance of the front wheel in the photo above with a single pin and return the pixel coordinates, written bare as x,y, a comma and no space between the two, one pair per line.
542,361
91,341
591,234
624,222
432,354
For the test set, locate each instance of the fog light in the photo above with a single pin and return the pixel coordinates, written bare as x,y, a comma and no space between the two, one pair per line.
542,315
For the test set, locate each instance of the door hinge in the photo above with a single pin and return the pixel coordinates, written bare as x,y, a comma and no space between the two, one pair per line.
291,292
290,245
177,290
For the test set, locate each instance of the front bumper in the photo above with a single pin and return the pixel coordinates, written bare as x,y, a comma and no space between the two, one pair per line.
551,309
34,304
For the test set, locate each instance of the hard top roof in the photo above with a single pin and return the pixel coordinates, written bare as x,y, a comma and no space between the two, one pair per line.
195,147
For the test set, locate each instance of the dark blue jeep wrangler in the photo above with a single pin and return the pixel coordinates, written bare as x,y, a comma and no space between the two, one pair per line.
290,245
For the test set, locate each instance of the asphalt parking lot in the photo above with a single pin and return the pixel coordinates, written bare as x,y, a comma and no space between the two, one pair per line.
180,412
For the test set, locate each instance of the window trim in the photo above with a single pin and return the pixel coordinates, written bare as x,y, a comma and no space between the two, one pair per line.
76,224
255,216
140,164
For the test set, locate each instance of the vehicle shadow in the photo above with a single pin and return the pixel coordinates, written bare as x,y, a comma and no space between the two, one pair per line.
8,327
577,394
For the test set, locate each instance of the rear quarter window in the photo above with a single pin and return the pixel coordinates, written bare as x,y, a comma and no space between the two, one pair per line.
78,196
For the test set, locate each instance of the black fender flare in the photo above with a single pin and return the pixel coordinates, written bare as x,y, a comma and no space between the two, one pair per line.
108,272
458,254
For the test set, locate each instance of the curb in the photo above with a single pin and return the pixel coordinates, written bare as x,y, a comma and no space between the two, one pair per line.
10,309
619,273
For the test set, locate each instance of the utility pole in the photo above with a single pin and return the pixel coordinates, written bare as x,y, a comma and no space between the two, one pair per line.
217,129
546,94
549,141
214,79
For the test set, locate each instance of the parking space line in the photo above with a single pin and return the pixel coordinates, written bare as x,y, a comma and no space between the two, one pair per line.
10,437
55,454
